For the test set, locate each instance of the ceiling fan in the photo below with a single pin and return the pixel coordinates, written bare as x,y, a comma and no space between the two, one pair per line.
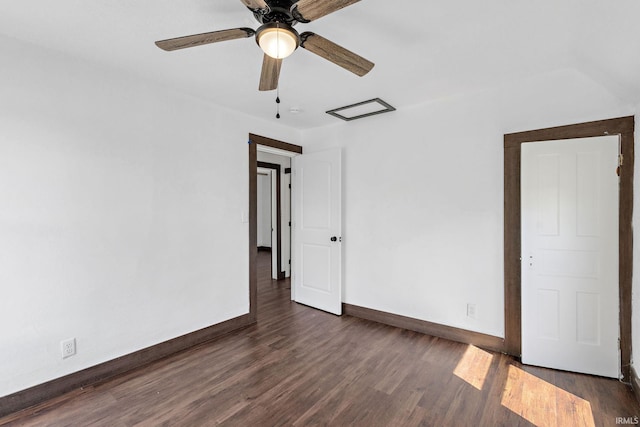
278,39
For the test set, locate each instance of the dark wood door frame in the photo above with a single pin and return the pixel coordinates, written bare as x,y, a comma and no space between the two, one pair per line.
276,168
624,127
254,141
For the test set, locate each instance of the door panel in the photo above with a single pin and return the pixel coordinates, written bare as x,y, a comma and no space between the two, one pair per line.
316,273
570,255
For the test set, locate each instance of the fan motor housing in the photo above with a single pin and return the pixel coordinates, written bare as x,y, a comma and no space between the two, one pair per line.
279,11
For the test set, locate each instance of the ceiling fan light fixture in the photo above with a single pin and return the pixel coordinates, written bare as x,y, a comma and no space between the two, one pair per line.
277,40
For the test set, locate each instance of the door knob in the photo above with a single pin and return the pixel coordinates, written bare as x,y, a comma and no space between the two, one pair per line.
334,239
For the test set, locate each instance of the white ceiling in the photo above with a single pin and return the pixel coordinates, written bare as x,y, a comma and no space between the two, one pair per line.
423,51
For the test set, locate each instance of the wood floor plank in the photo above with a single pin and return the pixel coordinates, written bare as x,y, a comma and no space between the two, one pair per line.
298,366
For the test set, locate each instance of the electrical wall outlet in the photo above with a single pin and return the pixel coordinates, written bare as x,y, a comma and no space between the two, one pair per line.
68,347
471,310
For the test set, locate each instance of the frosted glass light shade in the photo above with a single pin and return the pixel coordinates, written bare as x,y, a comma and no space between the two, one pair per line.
278,42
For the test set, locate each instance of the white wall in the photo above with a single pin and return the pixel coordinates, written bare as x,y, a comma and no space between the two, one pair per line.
121,213
423,195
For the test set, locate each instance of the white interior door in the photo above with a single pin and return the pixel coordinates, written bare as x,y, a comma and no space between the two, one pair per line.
316,273
570,308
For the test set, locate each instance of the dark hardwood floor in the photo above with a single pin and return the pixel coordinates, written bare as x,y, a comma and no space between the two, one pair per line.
299,366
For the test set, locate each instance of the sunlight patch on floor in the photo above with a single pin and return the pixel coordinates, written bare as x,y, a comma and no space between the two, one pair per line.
473,366
544,404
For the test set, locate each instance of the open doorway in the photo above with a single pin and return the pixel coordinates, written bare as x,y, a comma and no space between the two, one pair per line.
274,212
264,148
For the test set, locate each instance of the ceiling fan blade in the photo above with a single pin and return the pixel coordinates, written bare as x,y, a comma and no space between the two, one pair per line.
335,53
310,10
205,38
270,73
255,4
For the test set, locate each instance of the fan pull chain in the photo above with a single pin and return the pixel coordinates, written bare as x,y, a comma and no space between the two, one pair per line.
278,103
